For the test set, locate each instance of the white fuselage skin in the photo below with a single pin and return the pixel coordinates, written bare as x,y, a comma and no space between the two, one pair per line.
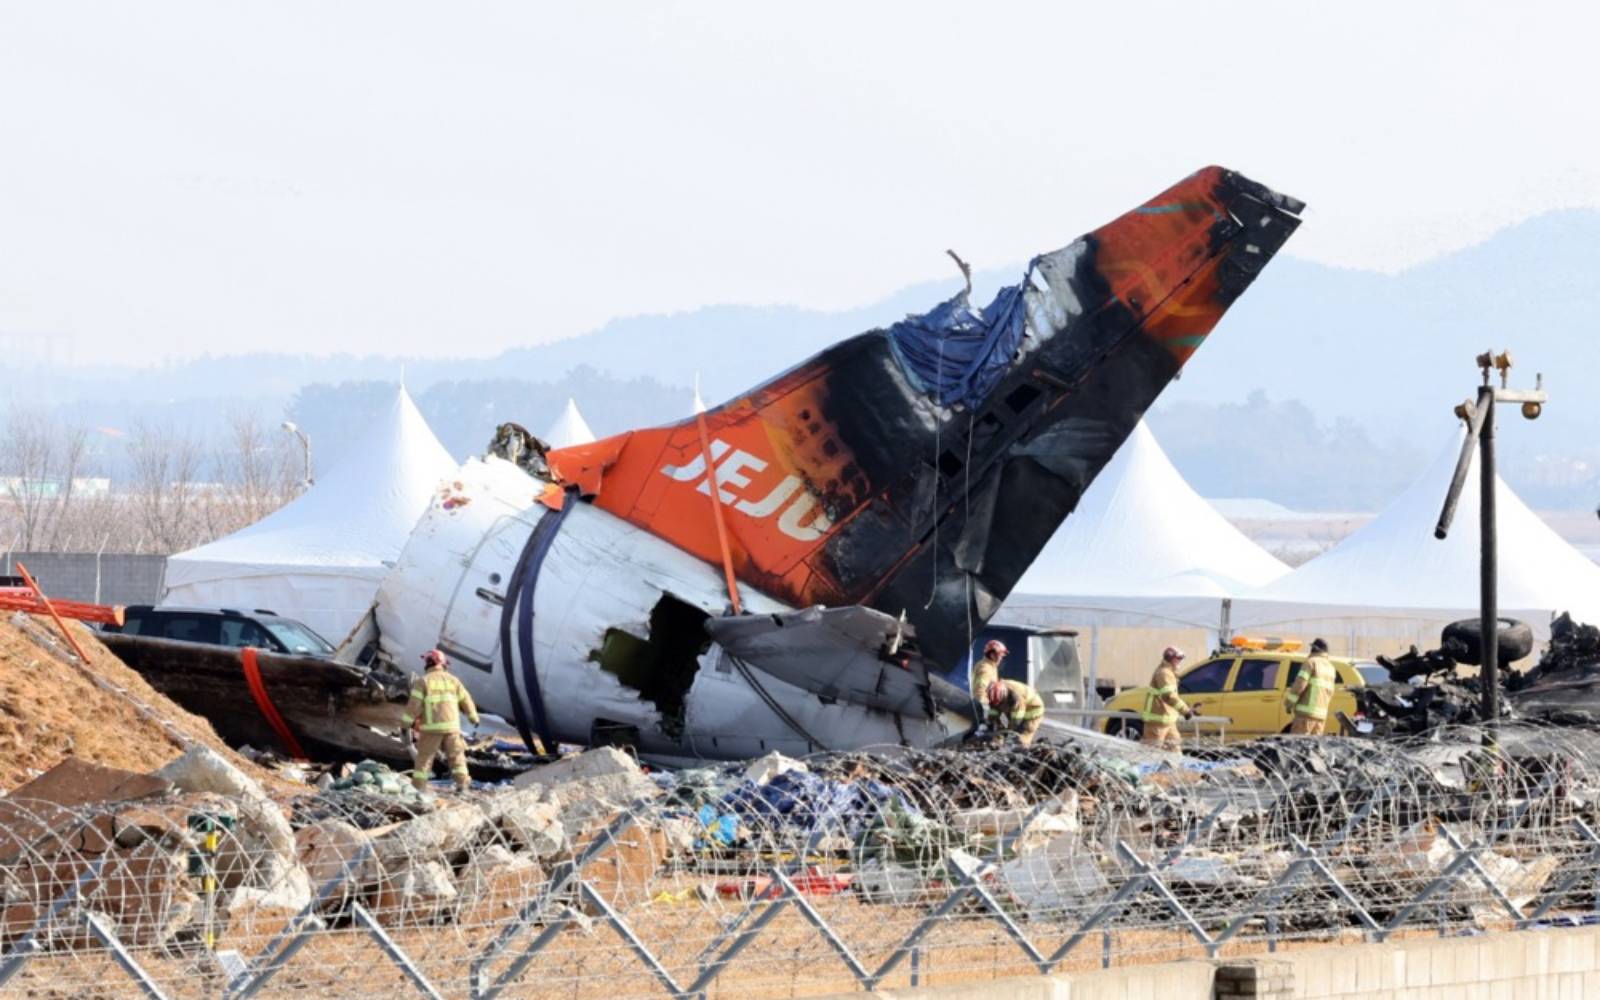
600,573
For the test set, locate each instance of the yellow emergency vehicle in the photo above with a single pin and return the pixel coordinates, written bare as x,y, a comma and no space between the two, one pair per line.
1245,682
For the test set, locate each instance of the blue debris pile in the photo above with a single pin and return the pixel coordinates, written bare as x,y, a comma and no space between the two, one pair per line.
809,802
736,805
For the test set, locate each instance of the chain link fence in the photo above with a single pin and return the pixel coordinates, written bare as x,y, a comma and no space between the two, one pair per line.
781,878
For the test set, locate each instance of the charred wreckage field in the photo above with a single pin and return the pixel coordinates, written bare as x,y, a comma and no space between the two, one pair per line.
179,865
1428,689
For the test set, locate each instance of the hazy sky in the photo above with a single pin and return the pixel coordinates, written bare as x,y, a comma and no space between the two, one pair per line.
179,178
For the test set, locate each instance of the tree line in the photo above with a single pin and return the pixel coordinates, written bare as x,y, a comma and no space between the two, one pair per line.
170,488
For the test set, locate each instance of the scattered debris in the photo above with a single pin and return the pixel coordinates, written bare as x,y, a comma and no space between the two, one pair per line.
764,769
198,844
591,786
1060,876
1050,833
1564,686
514,443
76,781
375,779
1427,692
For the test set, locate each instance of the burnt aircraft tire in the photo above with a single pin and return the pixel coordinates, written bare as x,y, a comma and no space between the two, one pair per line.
1515,639
1128,729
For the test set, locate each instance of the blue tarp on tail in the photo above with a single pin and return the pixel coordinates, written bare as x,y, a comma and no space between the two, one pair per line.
956,353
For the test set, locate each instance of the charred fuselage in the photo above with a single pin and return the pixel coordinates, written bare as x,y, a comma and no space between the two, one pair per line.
915,470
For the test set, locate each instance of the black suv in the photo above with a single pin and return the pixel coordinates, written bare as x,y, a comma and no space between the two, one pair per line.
223,627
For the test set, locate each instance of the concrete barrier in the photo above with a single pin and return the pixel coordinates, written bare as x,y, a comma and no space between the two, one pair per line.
1553,964
1168,981
1544,963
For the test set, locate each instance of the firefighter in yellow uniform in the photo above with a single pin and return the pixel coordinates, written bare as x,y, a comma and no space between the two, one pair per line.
1308,697
438,699
1163,705
1016,706
987,670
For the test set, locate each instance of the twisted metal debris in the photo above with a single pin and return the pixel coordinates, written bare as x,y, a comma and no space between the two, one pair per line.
764,879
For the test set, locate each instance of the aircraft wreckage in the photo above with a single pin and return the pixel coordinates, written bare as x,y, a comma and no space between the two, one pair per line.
1425,693
871,509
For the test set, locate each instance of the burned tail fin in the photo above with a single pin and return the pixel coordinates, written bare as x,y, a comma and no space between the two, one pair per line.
921,468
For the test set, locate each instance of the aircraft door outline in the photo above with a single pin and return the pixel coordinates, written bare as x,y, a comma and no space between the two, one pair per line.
478,602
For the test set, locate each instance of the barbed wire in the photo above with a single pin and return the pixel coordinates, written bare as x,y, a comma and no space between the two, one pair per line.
842,871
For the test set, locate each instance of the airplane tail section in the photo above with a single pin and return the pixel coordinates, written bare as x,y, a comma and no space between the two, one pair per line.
919,469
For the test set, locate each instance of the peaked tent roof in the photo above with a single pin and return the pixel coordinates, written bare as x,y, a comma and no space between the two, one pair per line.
1394,565
319,558
1142,531
569,428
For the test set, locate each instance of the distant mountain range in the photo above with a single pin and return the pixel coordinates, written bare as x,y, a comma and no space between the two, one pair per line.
1321,388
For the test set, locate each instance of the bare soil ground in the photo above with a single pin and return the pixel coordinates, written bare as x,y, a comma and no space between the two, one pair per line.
49,710
788,960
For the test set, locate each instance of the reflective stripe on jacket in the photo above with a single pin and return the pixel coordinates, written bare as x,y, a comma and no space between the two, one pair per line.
984,673
1312,691
438,698
1161,702
1022,703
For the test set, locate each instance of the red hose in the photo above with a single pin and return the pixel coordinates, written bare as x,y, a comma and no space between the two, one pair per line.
269,711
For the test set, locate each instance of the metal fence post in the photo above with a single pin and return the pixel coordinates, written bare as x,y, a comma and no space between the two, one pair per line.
292,938
32,942
481,987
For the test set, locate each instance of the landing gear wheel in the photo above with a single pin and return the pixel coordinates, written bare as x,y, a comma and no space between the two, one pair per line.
1515,640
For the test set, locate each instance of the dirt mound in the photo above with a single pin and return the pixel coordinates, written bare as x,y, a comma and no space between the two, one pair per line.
49,710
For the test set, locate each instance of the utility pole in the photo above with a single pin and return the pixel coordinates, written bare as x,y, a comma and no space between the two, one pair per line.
1478,415
305,447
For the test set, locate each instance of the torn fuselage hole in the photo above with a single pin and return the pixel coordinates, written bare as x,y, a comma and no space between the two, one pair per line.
661,667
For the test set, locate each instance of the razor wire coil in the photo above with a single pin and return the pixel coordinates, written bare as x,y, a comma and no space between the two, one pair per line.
861,870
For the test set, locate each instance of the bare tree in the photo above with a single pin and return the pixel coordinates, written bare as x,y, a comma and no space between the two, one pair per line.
102,518
40,461
255,473
166,465
69,466
183,491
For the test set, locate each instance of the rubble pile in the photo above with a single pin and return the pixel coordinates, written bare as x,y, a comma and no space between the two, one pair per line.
135,838
1427,691
1048,828
1564,686
141,843
199,851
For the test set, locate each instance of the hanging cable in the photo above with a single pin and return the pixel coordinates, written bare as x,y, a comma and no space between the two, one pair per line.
965,518
812,743
938,447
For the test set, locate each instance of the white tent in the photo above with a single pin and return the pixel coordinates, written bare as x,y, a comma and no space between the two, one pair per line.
1393,579
1143,549
320,558
569,429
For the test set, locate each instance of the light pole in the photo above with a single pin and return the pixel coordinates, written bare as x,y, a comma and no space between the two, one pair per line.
305,447
1478,415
